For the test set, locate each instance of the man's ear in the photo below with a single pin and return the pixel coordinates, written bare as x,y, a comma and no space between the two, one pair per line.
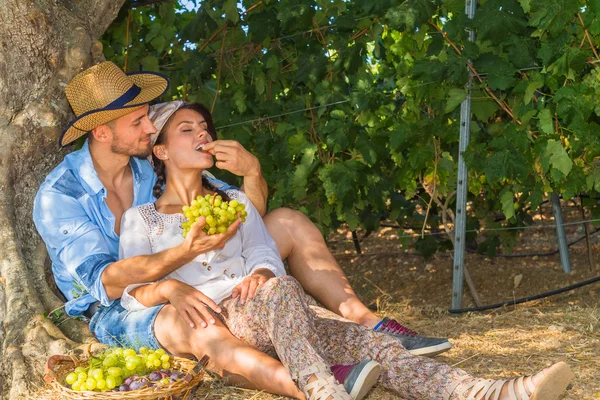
160,152
102,133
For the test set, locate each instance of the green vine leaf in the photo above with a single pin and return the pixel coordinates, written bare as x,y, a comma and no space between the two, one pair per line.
343,101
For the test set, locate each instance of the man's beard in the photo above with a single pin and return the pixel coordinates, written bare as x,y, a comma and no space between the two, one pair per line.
119,148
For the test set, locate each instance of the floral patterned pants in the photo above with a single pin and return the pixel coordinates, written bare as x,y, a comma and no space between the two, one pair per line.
282,321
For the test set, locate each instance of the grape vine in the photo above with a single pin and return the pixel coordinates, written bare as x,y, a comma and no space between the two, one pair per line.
354,106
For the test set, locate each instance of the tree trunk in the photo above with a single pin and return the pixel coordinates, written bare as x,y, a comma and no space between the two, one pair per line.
43,44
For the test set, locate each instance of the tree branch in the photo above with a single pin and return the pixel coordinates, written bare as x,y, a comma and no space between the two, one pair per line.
586,34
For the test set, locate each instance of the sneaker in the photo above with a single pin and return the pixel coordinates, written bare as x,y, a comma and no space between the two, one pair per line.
359,378
416,345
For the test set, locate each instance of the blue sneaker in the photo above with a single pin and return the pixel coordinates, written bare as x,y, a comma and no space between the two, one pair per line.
416,345
359,378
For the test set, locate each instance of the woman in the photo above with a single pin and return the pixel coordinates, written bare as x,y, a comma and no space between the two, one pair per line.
279,319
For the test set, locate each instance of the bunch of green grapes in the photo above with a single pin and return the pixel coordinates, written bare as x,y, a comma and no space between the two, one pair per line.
592,80
112,369
219,214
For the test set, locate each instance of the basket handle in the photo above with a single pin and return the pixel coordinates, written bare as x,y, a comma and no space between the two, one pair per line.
197,368
49,374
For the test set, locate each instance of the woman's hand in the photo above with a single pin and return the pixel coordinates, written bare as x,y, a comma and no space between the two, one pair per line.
247,288
192,304
233,157
199,242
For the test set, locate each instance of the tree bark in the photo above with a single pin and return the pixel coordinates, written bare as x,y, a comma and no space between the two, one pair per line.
43,44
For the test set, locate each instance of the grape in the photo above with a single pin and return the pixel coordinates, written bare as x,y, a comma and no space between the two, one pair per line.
71,378
138,384
120,369
110,362
114,371
100,384
218,214
165,357
97,374
111,383
90,384
175,376
154,376
79,370
129,352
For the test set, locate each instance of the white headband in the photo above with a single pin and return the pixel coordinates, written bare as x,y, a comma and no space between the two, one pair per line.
160,113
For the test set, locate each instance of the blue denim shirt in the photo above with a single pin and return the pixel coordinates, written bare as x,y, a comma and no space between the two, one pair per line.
71,216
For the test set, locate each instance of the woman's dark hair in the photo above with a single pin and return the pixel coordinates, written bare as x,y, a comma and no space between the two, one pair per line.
159,166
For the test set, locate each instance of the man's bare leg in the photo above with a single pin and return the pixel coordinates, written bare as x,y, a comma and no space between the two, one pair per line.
242,364
312,264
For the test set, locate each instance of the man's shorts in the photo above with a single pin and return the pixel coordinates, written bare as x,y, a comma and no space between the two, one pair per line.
115,326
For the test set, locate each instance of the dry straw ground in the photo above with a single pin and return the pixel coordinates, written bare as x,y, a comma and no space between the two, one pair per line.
505,342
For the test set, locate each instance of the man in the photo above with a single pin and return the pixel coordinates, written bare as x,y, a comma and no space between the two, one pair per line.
78,210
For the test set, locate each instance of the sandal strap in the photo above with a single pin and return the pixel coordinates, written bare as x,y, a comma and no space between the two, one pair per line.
454,385
530,385
480,389
518,383
495,390
323,389
316,385
320,370
487,389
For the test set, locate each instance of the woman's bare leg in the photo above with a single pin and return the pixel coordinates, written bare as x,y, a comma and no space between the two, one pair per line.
312,264
233,359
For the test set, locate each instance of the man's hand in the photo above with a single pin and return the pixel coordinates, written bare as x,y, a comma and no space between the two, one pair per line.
247,288
199,242
192,304
233,157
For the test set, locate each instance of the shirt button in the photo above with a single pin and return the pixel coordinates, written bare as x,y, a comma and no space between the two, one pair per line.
209,268
65,232
232,276
204,263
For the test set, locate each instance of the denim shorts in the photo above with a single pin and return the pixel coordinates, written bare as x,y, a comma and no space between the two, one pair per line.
115,326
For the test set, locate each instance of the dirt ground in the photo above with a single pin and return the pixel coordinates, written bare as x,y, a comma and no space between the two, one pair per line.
505,342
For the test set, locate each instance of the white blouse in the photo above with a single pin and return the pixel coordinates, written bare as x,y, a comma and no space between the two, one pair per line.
146,231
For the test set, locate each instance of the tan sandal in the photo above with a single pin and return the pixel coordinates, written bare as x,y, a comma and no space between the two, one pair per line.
325,387
553,383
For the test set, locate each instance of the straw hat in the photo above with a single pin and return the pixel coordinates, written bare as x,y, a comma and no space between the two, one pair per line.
104,92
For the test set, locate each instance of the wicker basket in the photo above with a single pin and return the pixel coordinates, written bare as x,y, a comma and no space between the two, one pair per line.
59,366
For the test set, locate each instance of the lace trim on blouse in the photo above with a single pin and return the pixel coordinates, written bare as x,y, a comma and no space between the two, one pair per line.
155,221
